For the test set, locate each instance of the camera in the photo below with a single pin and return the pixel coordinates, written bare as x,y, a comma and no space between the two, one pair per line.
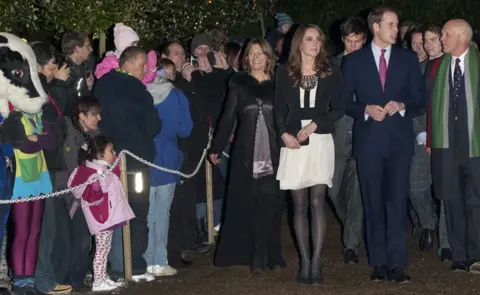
211,58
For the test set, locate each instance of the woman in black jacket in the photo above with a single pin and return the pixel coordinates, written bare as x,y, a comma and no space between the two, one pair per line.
307,102
250,234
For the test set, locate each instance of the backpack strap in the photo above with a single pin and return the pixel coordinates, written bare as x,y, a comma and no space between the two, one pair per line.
55,105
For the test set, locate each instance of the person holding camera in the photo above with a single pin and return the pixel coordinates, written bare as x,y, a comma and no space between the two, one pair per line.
77,49
211,81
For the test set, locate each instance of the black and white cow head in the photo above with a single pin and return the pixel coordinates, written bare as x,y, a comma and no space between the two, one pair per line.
19,81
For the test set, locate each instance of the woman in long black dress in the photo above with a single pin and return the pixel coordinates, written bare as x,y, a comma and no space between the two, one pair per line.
250,234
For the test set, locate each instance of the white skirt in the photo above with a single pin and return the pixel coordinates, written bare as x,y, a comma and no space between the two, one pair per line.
310,165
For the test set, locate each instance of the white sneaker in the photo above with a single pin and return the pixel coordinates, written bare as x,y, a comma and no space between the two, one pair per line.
161,271
103,286
146,277
120,283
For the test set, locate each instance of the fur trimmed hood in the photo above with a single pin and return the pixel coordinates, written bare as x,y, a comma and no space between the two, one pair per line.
159,89
20,84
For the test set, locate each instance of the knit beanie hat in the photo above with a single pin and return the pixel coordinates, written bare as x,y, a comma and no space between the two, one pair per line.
200,39
283,19
123,36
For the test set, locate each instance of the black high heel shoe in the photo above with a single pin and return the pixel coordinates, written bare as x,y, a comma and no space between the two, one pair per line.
303,277
316,276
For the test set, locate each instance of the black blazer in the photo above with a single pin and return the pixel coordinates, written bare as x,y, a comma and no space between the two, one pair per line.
329,104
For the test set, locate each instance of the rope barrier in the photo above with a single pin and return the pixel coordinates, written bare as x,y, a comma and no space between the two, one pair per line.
102,176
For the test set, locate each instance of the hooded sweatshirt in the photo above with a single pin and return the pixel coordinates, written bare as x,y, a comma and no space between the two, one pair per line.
174,112
124,36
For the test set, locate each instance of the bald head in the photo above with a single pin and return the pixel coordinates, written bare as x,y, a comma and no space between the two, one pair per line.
456,36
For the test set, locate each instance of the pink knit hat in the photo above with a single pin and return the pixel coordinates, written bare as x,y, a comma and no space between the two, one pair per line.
124,36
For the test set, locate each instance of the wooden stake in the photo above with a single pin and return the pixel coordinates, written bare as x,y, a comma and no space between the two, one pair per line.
127,249
102,44
208,170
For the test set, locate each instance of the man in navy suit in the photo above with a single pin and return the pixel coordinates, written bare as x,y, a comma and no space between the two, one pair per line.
389,91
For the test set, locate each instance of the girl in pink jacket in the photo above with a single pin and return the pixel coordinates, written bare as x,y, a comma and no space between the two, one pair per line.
103,203
124,37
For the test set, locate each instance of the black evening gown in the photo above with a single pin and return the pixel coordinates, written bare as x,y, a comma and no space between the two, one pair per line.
250,233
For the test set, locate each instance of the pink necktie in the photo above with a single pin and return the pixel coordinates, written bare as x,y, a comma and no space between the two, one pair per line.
382,69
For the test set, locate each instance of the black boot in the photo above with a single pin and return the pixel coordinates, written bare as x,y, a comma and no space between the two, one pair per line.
426,240
201,244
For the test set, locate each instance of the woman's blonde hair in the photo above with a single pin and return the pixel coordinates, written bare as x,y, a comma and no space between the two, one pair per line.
266,49
294,64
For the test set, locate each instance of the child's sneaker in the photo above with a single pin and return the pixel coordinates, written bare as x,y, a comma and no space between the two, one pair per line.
119,283
103,286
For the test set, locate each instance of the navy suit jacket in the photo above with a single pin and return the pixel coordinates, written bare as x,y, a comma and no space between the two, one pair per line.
403,83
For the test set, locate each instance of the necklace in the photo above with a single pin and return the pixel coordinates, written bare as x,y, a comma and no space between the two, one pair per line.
123,72
309,82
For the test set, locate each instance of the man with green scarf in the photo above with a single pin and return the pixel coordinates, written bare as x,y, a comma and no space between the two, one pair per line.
455,143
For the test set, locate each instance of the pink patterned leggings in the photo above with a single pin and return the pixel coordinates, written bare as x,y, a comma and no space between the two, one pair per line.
103,243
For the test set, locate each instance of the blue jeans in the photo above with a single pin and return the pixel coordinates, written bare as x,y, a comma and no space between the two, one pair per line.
158,223
217,211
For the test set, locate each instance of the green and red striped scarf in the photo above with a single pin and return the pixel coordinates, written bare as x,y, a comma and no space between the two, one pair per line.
440,105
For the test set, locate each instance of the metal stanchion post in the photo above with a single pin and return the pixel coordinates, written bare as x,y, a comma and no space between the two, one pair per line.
127,250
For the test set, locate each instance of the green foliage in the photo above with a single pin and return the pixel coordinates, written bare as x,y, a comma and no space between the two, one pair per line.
153,19
92,16
10,16
326,12
174,19
157,20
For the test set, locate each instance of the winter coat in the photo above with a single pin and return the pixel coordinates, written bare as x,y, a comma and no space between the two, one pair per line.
128,115
174,111
103,202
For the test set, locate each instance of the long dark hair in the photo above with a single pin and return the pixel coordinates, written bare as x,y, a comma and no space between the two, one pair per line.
294,65
85,105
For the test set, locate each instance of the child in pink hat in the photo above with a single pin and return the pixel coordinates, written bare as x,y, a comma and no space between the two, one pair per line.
124,37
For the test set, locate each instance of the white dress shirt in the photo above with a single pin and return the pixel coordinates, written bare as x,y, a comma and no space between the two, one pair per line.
377,52
462,63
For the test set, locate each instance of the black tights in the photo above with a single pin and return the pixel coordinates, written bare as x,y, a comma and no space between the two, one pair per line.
310,262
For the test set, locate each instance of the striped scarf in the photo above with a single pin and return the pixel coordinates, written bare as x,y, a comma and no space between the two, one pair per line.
440,103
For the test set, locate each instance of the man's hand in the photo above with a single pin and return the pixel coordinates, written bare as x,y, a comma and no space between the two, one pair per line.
393,107
376,112
220,60
33,137
63,73
214,159
187,71
90,81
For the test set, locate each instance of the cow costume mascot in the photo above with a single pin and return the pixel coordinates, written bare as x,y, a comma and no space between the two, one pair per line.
21,91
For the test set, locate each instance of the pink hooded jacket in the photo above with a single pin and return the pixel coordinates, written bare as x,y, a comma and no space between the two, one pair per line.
124,36
110,61
103,202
